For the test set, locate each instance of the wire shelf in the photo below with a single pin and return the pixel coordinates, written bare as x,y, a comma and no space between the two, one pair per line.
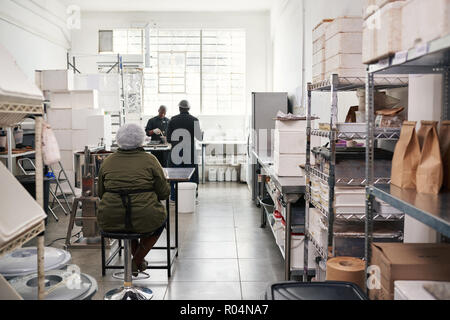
353,83
22,239
317,247
380,134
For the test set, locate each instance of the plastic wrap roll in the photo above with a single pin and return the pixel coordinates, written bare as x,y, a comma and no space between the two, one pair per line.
347,269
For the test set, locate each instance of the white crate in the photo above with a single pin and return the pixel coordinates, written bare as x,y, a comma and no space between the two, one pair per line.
79,140
344,25
344,61
423,21
59,118
382,33
60,100
64,138
57,80
343,43
289,165
84,99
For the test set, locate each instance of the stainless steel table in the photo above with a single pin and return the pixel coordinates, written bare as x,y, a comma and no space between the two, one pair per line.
291,189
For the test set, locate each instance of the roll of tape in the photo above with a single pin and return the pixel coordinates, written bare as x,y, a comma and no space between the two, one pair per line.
347,269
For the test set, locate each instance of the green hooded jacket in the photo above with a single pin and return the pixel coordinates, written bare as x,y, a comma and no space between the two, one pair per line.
132,170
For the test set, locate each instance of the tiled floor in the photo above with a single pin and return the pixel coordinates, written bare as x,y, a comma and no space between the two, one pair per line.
223,255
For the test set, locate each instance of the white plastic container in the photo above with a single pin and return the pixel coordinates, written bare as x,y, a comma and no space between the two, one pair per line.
234,175
19,210
317,227
297,252
412,290
278,228
350,196
343,43
186,197
289,165
212,175
423,21
228,175
345,25
220,175
290,142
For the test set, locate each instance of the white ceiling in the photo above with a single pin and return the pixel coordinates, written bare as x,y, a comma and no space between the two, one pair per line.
172,5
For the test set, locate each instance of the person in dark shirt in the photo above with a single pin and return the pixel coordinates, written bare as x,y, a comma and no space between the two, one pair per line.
182,131
156,129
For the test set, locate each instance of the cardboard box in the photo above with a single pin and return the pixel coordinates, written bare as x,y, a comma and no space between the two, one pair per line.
80,118
84,99
344,61
319,57
64,138
289,165
59,118
409,261
344,25
290,142
424,21
320,29
371,6
382,33
343,43
318,72
60,100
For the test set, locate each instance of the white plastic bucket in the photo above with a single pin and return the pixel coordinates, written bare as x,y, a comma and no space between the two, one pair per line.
186,197
212,175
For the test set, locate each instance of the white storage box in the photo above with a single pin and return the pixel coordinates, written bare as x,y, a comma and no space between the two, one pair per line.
423,21
109,102
64,138
59,118
297,252
289,165
290,142
344,61
57,80
412,290
344,43
60,100
345,25
382,34
84,99
19,211
350,196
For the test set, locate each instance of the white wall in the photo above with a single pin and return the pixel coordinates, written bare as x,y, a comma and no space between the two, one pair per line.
287,42
257,26
35,33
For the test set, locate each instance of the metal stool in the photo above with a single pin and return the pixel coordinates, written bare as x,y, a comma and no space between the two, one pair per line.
127,291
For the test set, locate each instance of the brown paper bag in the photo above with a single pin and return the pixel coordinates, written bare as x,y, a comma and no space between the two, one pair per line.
425,126
406,157
430,173
444,140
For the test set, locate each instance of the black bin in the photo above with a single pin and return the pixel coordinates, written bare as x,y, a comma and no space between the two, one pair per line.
29,183
330,290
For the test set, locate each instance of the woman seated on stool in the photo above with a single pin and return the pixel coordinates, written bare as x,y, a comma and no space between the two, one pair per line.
131,185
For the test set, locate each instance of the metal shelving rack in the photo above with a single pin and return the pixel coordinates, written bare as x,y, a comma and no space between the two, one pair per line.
334,85
10,115
432,210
